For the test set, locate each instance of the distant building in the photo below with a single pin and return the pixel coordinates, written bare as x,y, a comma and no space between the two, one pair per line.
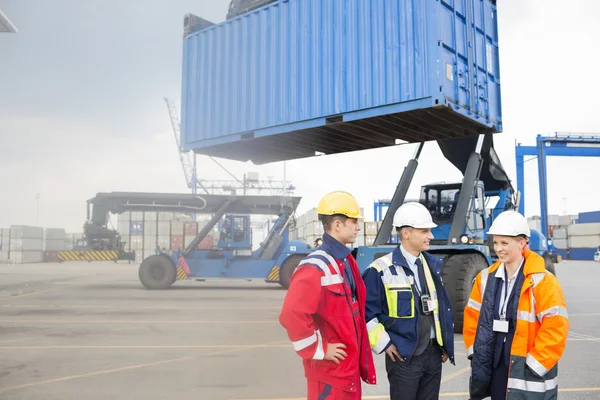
5,25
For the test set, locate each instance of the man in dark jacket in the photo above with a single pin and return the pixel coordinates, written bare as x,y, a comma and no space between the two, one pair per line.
408,310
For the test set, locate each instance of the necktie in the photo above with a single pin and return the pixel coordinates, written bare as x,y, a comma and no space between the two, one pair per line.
422,280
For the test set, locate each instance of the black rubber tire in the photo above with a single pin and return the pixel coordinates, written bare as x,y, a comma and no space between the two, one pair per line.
549,264
157,272
459,273
287,269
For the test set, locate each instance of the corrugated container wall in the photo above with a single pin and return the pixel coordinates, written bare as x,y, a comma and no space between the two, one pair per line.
561,243
581,254
165,216
26,257
559,234
137,215
164,228
589,217
177,228
4,244
123,227
190,228
553,220
55,234
584,229
27,244
176,242
301,76
21,231
136,227
585,242
164,242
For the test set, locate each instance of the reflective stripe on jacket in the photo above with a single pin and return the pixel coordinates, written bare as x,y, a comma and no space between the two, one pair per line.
318,310
393,305
540,334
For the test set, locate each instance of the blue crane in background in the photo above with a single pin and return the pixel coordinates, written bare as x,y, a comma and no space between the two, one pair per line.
558,145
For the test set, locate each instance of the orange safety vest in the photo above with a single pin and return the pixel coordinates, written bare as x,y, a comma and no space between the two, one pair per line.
540,336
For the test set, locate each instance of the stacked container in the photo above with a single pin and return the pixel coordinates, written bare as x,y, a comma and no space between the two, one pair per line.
150,234
163,240
584,240
560,238
309,228
535,223
577,237
144,232
55,239
72,239
26,244
190,230
4,245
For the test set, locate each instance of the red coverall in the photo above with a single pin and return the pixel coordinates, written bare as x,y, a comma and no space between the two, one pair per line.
319,309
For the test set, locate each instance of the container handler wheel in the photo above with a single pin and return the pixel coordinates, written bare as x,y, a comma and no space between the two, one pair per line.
287,269
157,272
549,264
459,273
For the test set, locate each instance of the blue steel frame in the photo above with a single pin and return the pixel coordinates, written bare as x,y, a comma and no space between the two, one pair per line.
378,207
559,146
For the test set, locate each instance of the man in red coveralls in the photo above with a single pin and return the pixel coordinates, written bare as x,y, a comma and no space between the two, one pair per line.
324,309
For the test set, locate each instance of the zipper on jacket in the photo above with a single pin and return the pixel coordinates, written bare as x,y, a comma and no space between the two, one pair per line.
355,327
351,312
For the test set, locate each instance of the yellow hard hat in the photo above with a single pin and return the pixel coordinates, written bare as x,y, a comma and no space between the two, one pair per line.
339,202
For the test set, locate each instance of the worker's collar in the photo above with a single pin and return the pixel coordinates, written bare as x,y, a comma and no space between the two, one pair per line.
336,248
402,257
409,257
501,272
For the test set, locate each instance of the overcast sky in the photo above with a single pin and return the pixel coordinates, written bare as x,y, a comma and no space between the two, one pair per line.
82,111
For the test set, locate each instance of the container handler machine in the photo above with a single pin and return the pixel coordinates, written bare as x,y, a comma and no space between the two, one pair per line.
232,255
459,210
99,242
322,91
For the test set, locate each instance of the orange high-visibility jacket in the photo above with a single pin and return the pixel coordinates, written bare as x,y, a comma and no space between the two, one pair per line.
540,335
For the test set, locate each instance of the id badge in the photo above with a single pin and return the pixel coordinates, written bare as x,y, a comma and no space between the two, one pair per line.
433,305
500,326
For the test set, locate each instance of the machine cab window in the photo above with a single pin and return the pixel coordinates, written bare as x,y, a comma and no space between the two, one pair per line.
442,200
235,232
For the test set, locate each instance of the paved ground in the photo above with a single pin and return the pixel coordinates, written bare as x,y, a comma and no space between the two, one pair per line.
90,331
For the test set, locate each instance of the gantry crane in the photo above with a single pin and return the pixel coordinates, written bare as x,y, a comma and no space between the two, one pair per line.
561,145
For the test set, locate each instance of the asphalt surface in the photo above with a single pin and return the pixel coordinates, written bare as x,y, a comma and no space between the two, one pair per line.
91,331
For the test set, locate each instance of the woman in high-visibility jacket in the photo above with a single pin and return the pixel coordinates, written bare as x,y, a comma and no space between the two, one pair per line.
516,322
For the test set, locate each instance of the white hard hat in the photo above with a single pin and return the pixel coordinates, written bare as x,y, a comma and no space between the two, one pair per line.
414,215
510,223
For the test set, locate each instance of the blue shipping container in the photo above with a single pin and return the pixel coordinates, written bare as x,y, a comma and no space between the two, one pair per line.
136,228
589,217
581,254
302,76
561,252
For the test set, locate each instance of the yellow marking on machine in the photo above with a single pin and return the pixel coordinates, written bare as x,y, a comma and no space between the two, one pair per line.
181,276
87,255
274,274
